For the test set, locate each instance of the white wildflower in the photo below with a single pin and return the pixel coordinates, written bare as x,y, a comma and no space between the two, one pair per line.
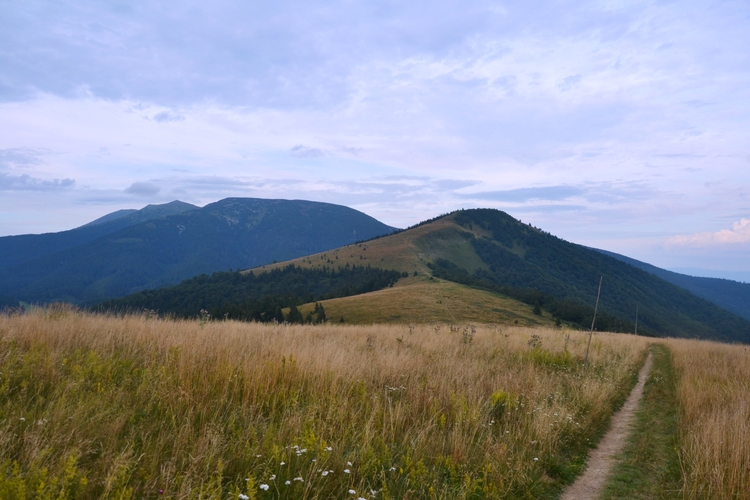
264,487
347,471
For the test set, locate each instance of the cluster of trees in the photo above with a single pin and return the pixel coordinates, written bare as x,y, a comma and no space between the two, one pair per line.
571,311
258,297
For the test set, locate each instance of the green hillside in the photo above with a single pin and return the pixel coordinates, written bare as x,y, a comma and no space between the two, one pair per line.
731,295
490,250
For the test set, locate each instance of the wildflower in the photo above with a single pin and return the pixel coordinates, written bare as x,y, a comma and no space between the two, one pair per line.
258,456
244,497
299,479
264,487
282,463
392,469
352,492
325,473
329,449
347,471
23,419
313,460
536,459
287,482
349,464
273,476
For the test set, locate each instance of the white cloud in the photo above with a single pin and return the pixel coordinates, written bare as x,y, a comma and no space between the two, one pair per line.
738,234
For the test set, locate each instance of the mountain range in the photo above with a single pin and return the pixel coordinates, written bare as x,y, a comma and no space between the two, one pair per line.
518,273
470,265
159,245
729,294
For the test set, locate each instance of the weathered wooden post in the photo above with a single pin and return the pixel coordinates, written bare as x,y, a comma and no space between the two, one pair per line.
591,333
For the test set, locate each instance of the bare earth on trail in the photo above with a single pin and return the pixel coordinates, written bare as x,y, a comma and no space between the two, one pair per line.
601,460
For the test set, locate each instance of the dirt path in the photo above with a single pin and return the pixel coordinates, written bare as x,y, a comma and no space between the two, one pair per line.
601,460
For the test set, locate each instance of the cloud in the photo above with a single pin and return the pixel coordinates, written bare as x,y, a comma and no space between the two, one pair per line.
143,189
300,151
522,195
569,82
738,234
27,183
168,116
21,157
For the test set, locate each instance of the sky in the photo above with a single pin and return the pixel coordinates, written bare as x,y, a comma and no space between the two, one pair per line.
622,125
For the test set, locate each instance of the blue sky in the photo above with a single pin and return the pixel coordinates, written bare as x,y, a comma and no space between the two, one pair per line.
620,125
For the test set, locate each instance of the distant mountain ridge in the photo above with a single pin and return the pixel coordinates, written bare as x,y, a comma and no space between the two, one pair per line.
151,248
731,295
15,250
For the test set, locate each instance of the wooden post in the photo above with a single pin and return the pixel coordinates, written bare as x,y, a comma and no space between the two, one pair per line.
591,333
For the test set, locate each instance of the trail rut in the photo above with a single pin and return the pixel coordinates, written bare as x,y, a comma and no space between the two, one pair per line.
601,460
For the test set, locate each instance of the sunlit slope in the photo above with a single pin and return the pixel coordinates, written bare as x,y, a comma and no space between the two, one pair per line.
424,300
406,251
490,250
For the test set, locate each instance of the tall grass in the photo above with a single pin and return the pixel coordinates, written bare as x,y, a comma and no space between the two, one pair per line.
105,407
714,401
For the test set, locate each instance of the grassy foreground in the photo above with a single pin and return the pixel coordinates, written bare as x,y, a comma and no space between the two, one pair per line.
134,407
714,418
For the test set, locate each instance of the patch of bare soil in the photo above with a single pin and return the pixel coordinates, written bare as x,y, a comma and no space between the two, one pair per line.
601,460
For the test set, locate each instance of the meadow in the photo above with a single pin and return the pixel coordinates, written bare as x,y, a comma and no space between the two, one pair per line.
95,406
713,397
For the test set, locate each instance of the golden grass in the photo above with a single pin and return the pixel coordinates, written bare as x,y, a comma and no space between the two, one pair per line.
421,300
407,251
714,400
105,407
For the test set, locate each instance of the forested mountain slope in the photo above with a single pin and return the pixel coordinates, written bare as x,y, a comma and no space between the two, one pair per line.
232,233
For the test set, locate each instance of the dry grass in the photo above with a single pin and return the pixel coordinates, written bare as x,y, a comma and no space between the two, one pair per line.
714,400
406,251
103,407
420,300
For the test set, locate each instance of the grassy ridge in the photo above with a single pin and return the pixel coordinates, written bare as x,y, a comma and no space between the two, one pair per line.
421,300
133,407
